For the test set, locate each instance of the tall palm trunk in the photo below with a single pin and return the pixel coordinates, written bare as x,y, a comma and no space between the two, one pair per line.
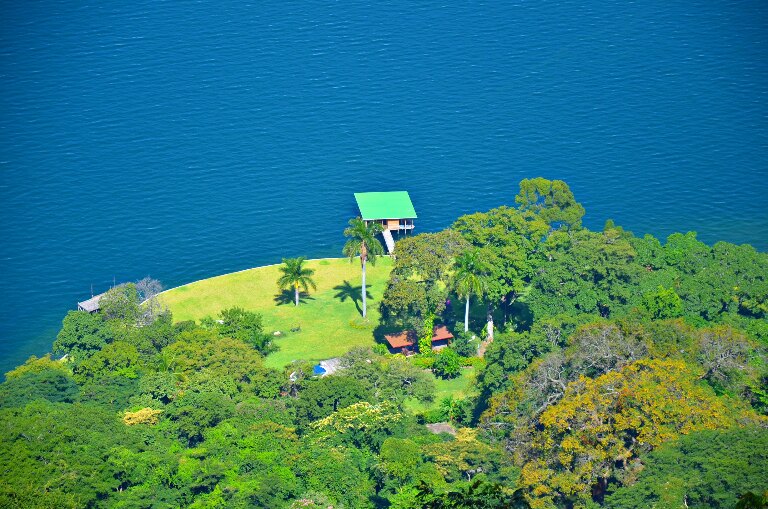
490,322
364,304
296,293
466,316
363,259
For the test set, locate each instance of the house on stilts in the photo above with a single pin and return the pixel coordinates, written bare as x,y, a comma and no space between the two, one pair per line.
393,210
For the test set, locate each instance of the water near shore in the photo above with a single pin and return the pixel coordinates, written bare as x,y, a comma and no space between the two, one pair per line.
184,140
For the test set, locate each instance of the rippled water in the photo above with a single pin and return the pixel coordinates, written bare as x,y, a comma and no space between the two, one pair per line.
184,140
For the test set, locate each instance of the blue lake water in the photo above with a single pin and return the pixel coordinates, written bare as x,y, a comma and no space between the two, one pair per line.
187,139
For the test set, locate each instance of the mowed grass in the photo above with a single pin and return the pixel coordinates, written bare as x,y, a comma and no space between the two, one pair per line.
458,387
330,319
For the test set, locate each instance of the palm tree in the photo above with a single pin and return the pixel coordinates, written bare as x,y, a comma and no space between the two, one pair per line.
295,275
362,241
468,279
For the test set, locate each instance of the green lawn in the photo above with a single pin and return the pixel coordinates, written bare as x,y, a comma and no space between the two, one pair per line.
330,317
457,387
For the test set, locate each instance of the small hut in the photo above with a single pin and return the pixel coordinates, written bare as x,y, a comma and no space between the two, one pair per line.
404,342
393,210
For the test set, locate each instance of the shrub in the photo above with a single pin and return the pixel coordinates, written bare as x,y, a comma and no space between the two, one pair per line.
422,361
447,364
465,344
380,349
433,415
473,362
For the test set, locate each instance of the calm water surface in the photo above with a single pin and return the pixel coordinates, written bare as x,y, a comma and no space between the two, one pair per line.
187,139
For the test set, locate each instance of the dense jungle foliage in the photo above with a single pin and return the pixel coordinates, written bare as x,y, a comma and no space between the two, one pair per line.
616,371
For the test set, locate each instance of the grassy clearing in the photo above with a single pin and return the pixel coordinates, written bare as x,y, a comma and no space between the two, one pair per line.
330,317
457,387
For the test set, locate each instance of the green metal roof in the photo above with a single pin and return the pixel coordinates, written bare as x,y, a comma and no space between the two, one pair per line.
391,205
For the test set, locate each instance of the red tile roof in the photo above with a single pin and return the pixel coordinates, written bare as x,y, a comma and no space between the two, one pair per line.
409,337
402,339
440,333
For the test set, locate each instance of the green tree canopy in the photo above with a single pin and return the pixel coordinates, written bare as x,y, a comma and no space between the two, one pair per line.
246,326
321,397
200,353
447,363
593,273
52,384
418,283
706,469
663,303
121,303
508,240
388,378
552,201
81,335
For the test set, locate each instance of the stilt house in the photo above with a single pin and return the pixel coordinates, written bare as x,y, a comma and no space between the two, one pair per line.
393,210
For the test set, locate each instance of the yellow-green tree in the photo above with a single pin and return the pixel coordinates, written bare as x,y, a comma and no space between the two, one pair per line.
596,431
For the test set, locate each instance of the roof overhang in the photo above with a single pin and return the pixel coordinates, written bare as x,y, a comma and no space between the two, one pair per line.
385,205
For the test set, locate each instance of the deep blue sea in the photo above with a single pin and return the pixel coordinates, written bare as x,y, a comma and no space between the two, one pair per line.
187,139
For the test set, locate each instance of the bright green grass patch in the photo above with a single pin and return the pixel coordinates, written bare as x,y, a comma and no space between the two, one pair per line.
458,387
330,317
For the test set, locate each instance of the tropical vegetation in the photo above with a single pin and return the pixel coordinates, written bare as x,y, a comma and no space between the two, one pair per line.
590,369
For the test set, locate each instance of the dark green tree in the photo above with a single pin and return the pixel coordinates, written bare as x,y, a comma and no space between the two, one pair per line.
508,241
388,378
465,344
114,360
54,385
203,356
706,469
341,473
591,273
552,201
194,412
59,455
507,355
447,363
321,397
478,494
418,283
81,335
246,326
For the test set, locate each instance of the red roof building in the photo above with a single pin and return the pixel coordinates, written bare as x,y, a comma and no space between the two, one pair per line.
407,339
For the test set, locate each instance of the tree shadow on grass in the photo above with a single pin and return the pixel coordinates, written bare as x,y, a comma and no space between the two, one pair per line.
287,297
381,330
346,291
